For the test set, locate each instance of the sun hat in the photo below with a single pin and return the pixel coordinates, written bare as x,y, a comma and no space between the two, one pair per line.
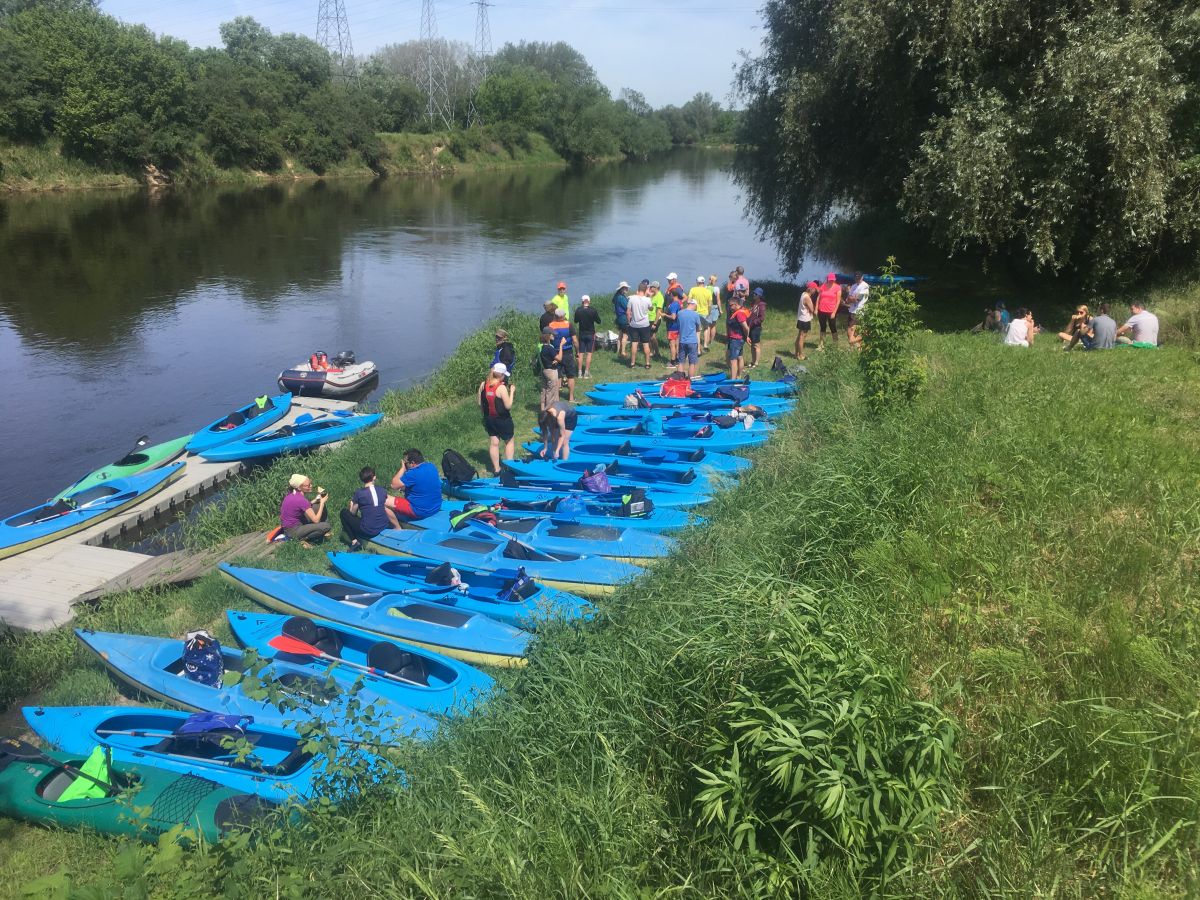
562,285
671,276
623,284
758,292
500,369
296,480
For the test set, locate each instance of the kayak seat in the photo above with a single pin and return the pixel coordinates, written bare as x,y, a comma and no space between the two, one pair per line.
442,576
695,456
290,763
688,477
435,615
231,421
340,593
52,788
575,531
303,419
401,663
507,478
625,449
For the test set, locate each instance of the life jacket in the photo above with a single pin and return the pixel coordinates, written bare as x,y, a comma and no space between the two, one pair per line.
561,331
677,385
522,587
472,512
635,504
488,402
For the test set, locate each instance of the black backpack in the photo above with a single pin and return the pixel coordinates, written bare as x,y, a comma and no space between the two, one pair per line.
455,468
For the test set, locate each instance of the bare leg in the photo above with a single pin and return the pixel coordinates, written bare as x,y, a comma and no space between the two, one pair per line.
494,453
570,392
509,449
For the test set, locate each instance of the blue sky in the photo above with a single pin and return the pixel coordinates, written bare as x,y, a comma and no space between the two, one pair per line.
666,49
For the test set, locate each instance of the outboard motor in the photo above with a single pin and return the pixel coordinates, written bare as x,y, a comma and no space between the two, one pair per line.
343,359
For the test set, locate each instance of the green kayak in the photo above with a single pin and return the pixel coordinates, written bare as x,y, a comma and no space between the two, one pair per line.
136,800
139,459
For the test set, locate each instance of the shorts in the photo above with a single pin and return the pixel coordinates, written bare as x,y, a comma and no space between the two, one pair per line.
672,335
499,427
570,420
851,319
712,316
587,343
623,328
806,327
402,507
756,334
569,367
689,353
828,321
640,335
550,382
735,348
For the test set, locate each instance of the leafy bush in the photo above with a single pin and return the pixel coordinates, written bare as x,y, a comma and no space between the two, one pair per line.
823,753
892,374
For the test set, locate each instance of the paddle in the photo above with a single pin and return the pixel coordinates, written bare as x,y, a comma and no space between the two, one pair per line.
23,751
137,445
287,644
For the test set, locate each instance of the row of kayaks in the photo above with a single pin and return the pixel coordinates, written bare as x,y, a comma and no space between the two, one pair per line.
244,434
403,632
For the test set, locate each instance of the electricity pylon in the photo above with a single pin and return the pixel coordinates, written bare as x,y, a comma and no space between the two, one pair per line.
333,33
480,60
435,70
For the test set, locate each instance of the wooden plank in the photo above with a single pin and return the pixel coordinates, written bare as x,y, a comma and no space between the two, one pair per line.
36,592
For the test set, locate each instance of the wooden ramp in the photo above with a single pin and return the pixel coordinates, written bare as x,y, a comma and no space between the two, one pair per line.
39,587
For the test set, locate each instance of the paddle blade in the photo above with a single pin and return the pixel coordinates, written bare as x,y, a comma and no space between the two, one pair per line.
287,644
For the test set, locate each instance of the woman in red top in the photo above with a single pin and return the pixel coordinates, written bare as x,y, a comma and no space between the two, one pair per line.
495,401
829,298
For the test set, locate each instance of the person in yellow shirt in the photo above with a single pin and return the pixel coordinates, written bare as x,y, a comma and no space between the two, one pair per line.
703,297
658,299
561,300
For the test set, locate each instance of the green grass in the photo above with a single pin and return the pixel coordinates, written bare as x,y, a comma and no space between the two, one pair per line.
24,168
988,598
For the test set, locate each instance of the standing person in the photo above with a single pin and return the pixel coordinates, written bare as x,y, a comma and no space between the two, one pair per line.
547,317
557,423
858,294
714,310
1101,332
754,325
736,331
495,401
1140,329
673,283
564,337
703,297
690,325
621,312
741,282
829,298
297,518
550,357
671,314
561,300
505,352
1021,330
367,513
586,320
422,487
804,316
639,324
657,302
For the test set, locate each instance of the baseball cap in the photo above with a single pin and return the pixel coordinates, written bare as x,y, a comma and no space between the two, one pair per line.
645,282
623,284
560,312
692,301
585,299
832,276
655,284
671,276
500,369
758,292
562,285
812,285
700,279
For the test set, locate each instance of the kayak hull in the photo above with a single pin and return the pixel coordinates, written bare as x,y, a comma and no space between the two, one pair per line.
471,637
213,435
481,593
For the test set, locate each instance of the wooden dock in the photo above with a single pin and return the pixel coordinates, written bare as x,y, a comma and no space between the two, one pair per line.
39,587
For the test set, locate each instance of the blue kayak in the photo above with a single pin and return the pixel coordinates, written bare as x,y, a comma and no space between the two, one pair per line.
241,423
80,509
537,489
510,597
734,391
555,536
678,437
154,666
663,477
483,547
276,769
883,279
304,434
462,634
417,677
666,406
594,452
577,507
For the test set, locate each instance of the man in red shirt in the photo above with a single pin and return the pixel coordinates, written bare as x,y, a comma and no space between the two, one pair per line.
736,331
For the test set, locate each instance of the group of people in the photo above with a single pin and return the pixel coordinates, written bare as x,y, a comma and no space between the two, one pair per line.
369,511
1098,332
824,302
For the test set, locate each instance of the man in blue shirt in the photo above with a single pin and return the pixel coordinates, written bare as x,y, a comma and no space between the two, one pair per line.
689,323
421,486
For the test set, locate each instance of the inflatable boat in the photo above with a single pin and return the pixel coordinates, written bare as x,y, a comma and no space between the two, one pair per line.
320,377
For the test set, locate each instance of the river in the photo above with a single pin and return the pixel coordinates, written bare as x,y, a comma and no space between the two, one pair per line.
129,313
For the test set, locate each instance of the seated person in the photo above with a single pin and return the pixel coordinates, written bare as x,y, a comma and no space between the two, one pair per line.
421,485
1140,329
557,422
1080,320
297,518
1099,334
1021,330
368,512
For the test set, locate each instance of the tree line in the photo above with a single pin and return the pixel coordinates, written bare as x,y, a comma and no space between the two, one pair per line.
115,94
1064,133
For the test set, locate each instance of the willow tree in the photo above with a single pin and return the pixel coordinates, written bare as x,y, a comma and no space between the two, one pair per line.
1065,131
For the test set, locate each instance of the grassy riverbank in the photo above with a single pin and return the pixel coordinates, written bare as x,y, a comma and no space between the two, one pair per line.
43,167
986,600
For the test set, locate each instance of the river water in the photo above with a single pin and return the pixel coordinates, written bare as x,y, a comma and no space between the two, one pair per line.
132,313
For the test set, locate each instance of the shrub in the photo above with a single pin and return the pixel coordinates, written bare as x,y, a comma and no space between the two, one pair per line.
892,374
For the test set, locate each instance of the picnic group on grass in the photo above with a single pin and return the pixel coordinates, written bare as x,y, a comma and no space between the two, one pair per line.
1098,332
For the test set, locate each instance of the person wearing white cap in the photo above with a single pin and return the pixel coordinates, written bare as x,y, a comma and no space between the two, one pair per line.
621,312
586,320
297,518
495,401
703,297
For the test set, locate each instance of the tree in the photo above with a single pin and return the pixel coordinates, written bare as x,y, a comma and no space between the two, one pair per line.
1058,131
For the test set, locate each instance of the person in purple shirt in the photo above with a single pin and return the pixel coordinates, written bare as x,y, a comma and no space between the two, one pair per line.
297,518
367,513
421,485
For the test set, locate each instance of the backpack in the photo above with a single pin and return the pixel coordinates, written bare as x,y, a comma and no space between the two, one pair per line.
202,660
734,392
535,364
455,468
596,482
635,505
